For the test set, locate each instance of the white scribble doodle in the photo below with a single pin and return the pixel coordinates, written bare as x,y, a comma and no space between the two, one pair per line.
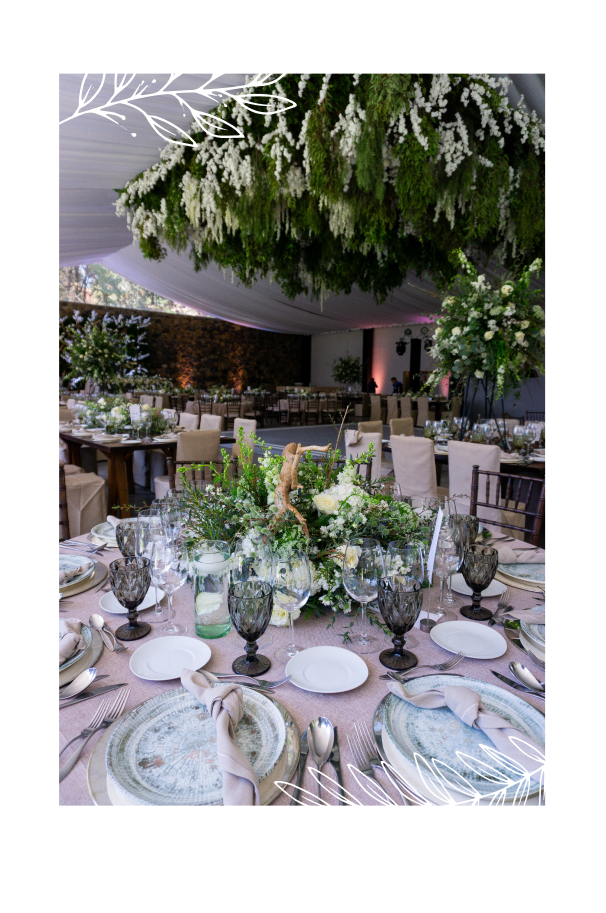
345,830
214,126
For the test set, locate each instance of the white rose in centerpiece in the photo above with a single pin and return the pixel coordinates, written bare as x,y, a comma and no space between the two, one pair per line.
506,290
519,337
279,616
489,334
448,301
326,503
146,407
479,374
117,411
525,324
101,402
456,331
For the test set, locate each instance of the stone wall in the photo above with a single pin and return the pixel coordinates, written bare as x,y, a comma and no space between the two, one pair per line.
203,350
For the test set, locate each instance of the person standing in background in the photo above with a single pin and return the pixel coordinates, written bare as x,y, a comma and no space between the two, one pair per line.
371,387
397,386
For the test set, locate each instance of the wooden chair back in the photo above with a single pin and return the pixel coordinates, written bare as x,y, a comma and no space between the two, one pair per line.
510,489
535,416
198,475
63,517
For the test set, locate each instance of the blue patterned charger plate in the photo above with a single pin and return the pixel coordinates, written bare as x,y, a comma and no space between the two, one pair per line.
535,633
531,572
69,562
165,750
438,734
88,637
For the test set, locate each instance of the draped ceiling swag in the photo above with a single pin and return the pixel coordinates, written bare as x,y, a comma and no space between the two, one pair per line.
97,156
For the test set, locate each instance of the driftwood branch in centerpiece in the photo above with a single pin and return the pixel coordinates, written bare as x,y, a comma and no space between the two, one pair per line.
289,482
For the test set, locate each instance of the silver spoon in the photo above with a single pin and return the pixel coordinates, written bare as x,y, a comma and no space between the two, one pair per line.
97,622
320,738
80,682
526,678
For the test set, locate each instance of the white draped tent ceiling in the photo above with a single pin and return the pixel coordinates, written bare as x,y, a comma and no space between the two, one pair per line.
97,156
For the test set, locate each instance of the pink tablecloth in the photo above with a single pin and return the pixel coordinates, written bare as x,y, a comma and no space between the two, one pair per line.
341,709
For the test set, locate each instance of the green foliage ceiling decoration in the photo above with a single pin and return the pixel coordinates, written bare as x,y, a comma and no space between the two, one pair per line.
369,177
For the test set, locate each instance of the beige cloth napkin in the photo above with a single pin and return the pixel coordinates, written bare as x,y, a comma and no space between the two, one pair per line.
467,706
71,640
518,553
226,706
66,576
532,617
114,521
353,437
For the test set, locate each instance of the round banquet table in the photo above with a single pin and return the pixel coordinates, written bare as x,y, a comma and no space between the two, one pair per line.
341,709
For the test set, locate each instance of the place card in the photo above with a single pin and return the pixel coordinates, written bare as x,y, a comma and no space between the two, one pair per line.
434,543
135,411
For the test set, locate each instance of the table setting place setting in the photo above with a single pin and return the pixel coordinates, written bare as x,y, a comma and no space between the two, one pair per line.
411,703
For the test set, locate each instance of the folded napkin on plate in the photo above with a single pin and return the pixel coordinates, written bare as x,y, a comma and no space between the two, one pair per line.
353,437
512,553
67,575
71,640
532,617
226,706
114,521
467,706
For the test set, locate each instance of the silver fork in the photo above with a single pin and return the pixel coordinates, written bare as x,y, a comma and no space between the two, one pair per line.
257,681
114,712
98,716
118,647
442,667
503,603
364,754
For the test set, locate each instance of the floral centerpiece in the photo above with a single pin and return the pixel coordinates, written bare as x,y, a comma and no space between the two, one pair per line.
335,505
489,337
113,412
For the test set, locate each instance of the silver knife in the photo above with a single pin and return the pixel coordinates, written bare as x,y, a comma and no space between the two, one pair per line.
516,685
86,694
303,750
335,760
413,678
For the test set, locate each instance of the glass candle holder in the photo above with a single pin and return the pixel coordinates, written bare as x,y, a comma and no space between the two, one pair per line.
250,607
400,599
478,569
210,566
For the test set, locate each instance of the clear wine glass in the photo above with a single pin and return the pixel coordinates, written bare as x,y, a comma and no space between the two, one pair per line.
291,581
448,559
252,562
405,559
463,529
363,568
150,529
174,568
156,565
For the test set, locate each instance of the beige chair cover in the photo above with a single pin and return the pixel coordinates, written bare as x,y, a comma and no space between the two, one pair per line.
146,400
220,409
192,408
189,421
70,403
414,465
461,458
371,427
356,450
358,410
210,422
375,407
405,407
86,501
246,405
402,426
69,469
194,447
65,414
250,427
392,407
423,410
162,401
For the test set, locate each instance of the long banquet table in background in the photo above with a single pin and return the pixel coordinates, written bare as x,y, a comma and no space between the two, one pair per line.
341,709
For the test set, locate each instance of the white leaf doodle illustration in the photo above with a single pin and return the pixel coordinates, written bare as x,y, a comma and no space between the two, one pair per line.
211,124
344,829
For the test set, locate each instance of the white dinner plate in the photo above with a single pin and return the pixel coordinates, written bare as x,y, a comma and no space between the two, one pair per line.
106,532
476,640
82,433
493,589
109,603
165,658
327,670
530,645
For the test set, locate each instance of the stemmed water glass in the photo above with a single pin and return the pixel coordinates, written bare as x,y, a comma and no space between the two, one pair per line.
173,567
129,579
448,558
400,598
253,562
137,424
291,581
463,529
405,559
518,438
478,569
250,606
363,568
